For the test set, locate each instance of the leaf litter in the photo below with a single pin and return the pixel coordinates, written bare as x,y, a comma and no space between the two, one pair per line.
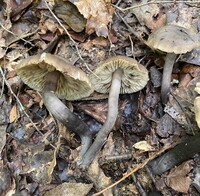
35,147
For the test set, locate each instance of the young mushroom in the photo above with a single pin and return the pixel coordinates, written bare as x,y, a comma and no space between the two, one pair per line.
173,40
55,77
116,75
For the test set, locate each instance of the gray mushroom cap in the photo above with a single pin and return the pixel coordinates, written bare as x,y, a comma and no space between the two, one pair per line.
72,84
173,39
134,78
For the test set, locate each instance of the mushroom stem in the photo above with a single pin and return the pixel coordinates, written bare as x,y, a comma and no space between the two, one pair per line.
166,78
110,120
63,114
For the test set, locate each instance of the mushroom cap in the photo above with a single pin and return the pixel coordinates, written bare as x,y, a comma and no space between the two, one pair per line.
173,39
134,77
72,84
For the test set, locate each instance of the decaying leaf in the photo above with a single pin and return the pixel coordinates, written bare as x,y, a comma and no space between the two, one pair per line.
70,189
70,14
144,146
196,179
13,114
42,165
98,15
197,110
98,177
197,88
192,57
36,161
5,180
180,106
178,179
150,15
2,52
2,137
197,104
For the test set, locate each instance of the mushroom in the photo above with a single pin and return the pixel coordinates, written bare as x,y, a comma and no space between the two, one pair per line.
116,75
173,40
55,77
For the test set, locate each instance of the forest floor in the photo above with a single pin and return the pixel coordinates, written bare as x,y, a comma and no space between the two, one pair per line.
38,155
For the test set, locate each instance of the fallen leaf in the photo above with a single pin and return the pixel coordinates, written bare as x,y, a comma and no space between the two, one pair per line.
180,106
178,179
98,177
70,189
192,57
196,179
98,15
197,88
2,137
2,52
191,69
197,110
70,14
144,146
13,114
5,179
150,15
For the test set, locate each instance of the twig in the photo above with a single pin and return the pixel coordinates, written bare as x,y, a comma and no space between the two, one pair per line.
70,37
21,106
20,38
139,166
148,3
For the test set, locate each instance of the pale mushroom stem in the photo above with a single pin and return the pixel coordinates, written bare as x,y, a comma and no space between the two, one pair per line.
110,120
58,109
166,78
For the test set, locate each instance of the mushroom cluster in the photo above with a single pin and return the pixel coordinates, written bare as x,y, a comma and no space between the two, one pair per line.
173,40
56,78
116,75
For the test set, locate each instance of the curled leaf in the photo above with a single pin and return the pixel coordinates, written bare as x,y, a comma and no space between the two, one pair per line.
98,15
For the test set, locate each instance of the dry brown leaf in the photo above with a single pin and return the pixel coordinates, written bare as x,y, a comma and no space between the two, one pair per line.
70,189
197,88
70,14
98,177
13,114
98,15
178,179
197,110
2,136
150,15
144,146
